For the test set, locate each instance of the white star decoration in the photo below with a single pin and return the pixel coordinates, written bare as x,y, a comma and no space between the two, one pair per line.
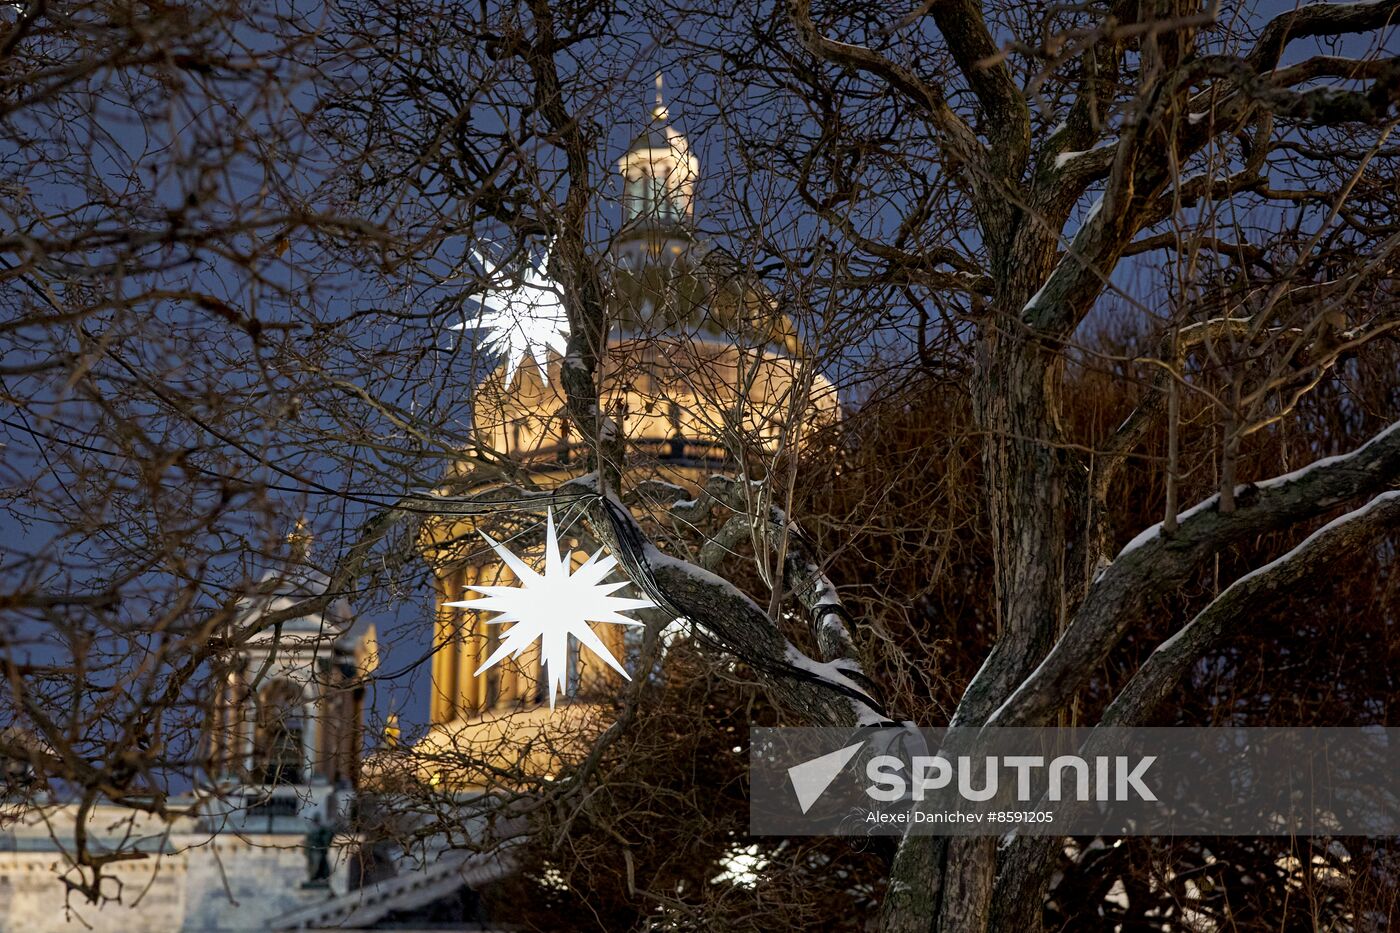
525,319
552,606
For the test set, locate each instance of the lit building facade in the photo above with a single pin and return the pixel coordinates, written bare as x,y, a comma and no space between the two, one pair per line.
703,374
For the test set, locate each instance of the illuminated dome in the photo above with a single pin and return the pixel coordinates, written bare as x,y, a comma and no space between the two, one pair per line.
699,367
702,373
701,364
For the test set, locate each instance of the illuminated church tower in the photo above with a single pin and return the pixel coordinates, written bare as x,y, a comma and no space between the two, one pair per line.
285,726
700,371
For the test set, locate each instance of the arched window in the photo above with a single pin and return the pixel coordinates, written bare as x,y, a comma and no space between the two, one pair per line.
281,725
654,197
634,201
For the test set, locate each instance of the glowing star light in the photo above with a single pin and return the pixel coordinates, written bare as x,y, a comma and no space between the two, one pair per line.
524,319
552,606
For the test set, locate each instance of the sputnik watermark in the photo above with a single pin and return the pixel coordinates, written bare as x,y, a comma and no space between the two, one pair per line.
1116,777
810,779
1076,781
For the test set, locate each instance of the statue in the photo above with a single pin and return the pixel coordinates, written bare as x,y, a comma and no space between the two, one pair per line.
318,847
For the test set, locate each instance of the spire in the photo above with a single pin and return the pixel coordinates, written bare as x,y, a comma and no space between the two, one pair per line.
659,112
658,171
392,731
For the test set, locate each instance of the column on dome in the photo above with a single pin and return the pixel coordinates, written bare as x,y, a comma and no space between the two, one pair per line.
595,677
312,694
327,706
529,679
443,701
242,731
508,669
219,739
470,654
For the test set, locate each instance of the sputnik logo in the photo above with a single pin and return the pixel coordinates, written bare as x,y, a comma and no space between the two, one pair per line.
811,778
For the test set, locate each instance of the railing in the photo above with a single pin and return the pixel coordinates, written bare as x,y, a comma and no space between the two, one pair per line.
674,451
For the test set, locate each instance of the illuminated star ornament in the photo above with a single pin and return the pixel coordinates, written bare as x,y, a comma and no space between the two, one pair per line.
523,319
553,606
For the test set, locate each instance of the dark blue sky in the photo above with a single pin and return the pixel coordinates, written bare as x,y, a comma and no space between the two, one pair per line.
406,359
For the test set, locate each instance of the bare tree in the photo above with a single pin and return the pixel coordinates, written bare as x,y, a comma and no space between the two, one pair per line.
237,237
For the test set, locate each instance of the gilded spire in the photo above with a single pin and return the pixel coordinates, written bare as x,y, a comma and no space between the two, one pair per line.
392,731
659,111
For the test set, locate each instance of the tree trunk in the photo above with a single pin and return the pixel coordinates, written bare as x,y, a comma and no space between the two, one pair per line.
946,885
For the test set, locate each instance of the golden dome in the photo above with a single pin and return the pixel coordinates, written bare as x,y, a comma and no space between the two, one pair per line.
700,366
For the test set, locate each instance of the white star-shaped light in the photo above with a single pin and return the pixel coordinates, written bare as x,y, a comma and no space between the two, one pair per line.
523,319
553,606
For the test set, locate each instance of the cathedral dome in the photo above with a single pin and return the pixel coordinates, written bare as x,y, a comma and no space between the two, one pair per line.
702,373
701,362
680,387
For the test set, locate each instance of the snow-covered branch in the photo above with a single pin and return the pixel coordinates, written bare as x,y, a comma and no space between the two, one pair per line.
1163,670
822,692
1153,564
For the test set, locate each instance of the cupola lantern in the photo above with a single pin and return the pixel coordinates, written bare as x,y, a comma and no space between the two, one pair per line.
659,173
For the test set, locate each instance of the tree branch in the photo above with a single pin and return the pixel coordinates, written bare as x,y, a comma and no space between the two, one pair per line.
822,693
1008,116
1154,564
1318,19
958,136
1164,669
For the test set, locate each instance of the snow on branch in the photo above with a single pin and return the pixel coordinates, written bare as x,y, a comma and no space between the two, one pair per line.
1155,563
823,693
803,577
1166,666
